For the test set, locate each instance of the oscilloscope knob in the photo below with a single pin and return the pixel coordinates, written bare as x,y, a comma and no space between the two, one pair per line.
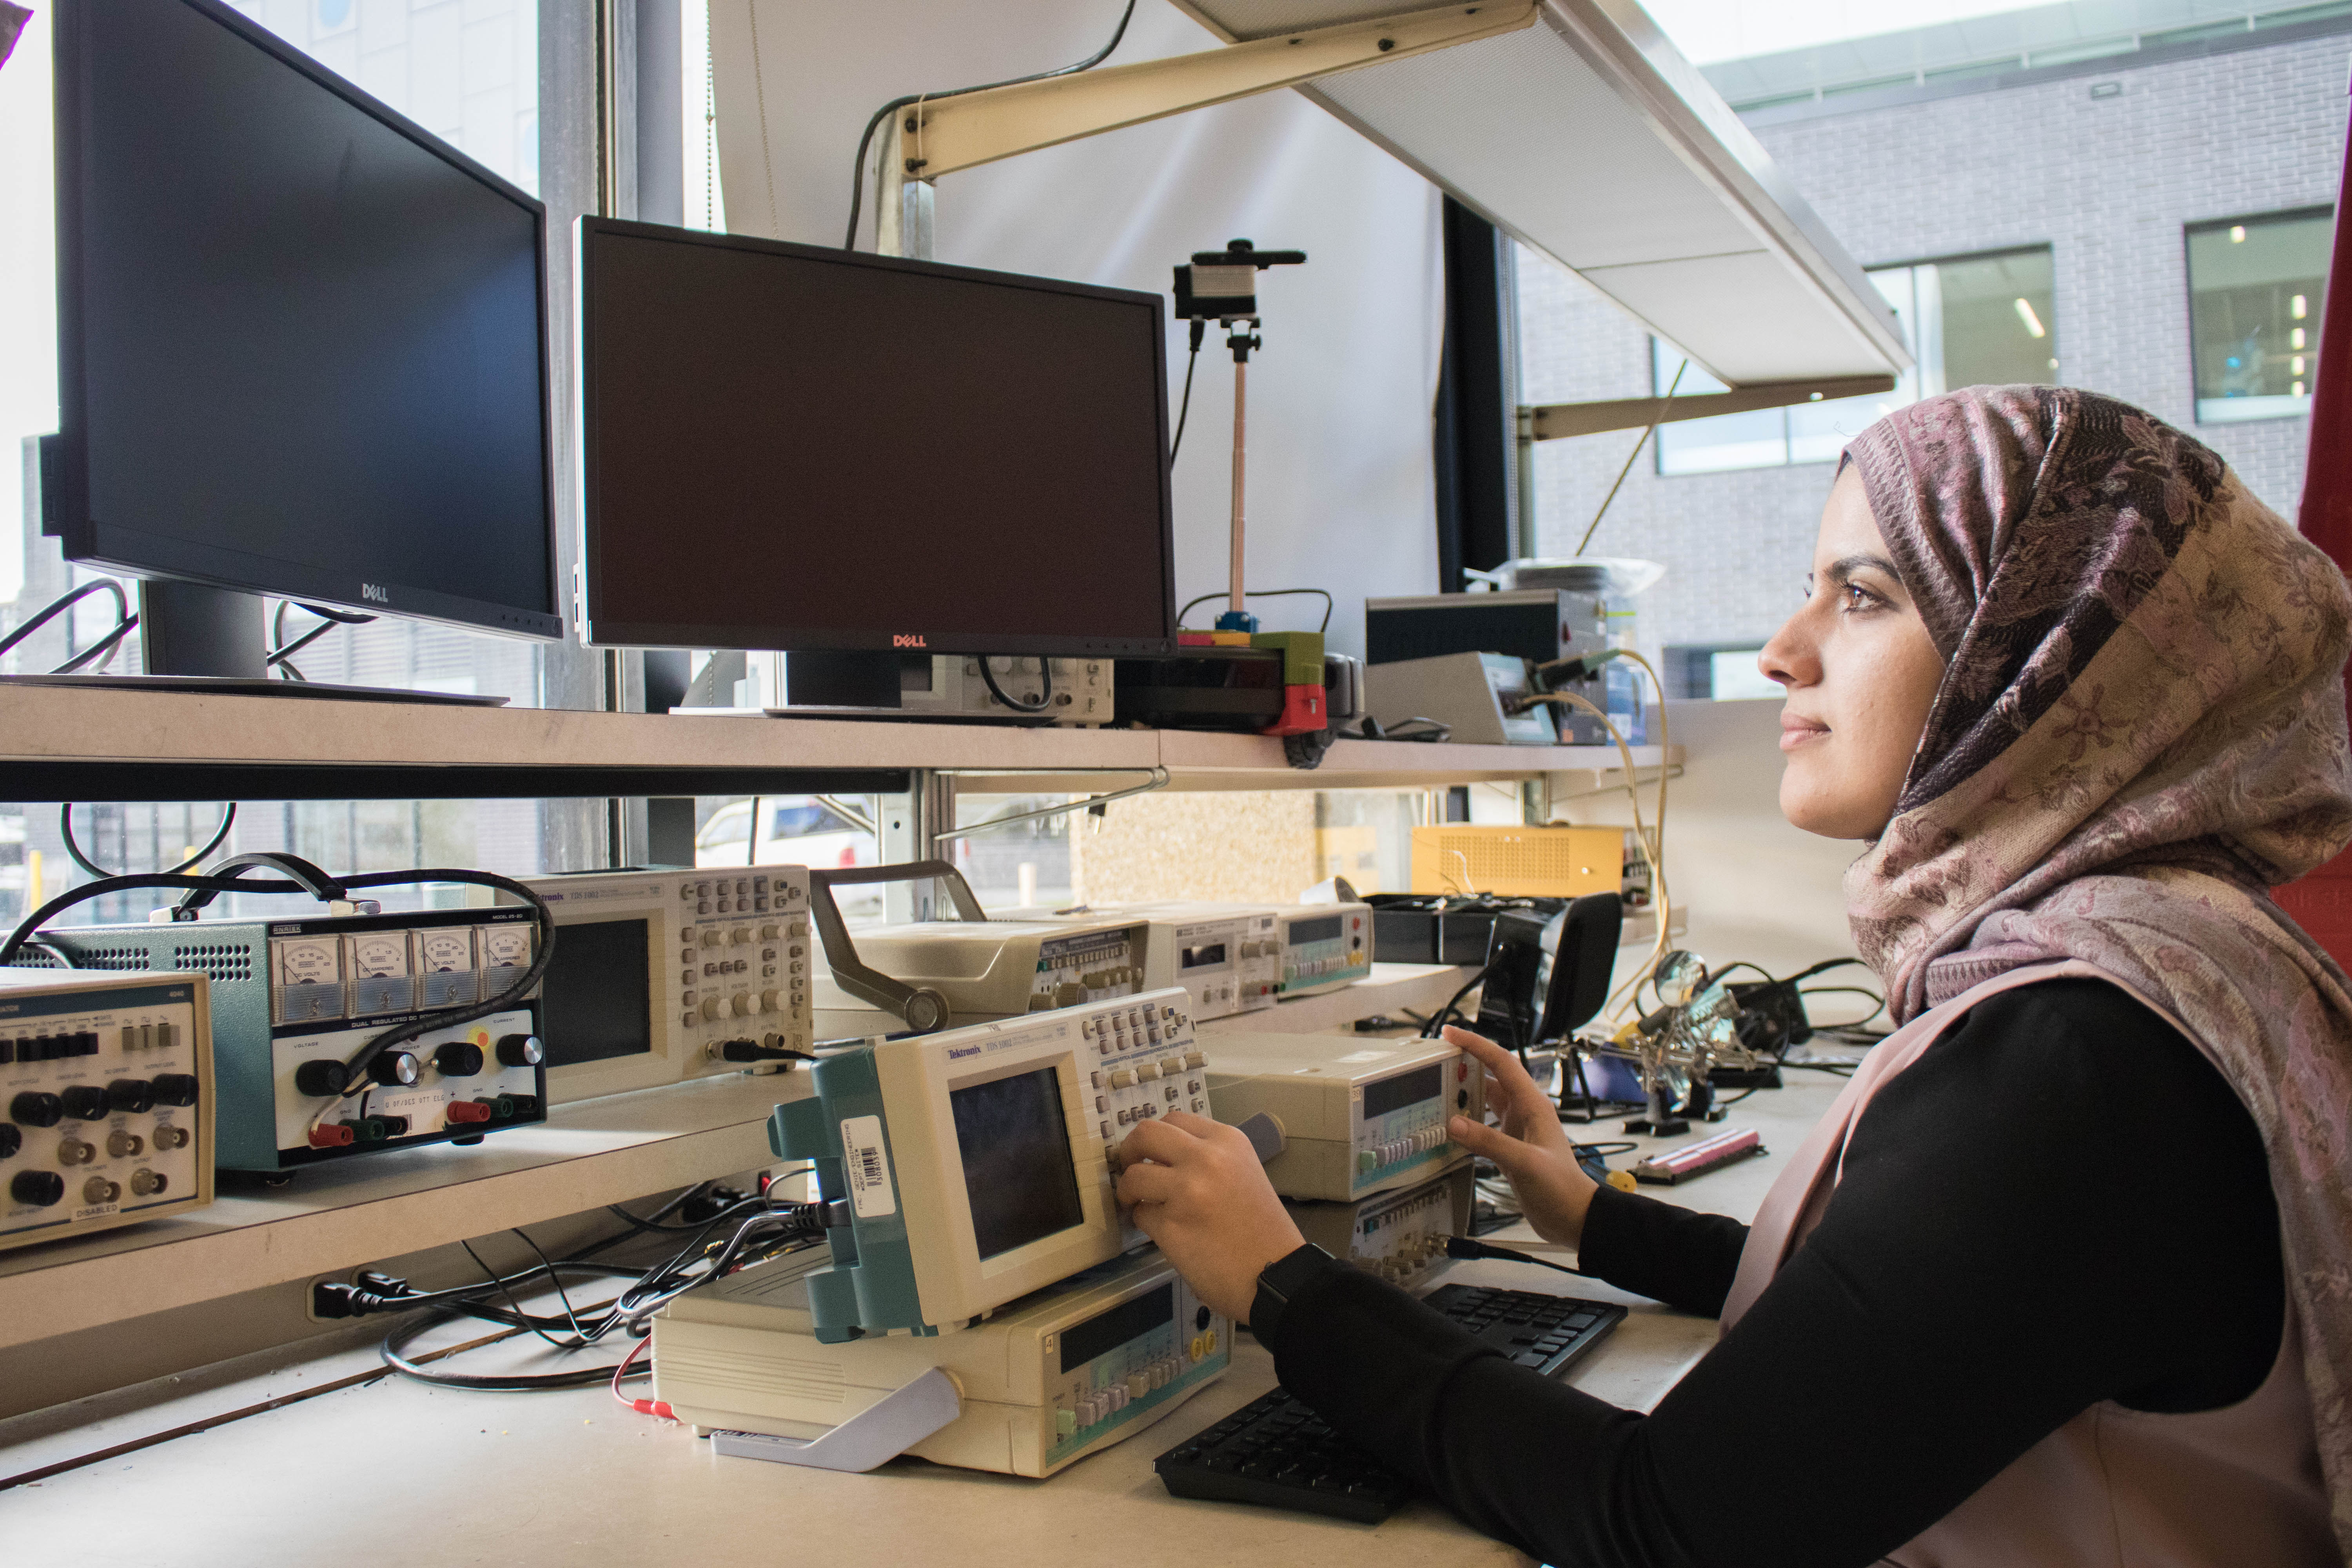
38,1188
35,1109
86,1101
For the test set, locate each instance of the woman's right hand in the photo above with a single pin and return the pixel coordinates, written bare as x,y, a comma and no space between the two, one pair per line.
1531,1147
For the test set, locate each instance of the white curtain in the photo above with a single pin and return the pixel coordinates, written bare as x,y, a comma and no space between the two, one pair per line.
1340,482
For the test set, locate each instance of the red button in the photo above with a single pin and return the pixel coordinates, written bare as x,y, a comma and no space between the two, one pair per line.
464,1110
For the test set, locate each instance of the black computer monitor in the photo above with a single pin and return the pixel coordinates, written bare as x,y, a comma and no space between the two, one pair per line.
791,448
302,340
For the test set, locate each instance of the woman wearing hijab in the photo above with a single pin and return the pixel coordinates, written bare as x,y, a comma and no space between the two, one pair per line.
2064,1277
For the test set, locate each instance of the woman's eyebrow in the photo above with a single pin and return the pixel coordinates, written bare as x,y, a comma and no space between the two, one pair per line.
1843,569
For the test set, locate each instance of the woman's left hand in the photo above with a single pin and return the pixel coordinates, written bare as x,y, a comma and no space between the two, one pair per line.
1198,1190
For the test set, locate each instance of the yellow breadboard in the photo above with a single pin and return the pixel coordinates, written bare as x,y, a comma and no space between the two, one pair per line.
1525,862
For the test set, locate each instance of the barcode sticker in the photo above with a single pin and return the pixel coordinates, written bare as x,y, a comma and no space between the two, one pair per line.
865,1168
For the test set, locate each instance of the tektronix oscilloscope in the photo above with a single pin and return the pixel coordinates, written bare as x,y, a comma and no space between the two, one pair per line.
975,1163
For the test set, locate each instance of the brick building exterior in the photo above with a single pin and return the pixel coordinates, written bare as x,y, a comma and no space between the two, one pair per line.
2104,163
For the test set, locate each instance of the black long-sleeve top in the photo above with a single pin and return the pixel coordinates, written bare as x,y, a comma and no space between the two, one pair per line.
2007,1246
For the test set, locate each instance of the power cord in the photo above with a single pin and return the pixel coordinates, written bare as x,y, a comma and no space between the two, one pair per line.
1184,409
281,656
775,1229
124,621
65,831
857,169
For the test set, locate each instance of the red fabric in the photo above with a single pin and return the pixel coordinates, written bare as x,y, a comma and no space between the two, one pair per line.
2321,902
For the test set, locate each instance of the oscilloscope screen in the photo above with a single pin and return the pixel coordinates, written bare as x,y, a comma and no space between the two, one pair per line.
1017,1171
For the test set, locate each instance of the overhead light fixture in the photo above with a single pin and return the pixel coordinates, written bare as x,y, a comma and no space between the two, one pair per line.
2298,389
2237,234
2298,307
2297,366
2294,339
2032,322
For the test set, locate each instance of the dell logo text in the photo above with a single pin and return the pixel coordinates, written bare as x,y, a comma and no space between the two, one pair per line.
375,594
904,639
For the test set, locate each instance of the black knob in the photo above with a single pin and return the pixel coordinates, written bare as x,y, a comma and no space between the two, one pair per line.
458,1059
135,1095
521,1051
397,1067
86,1101
320,1080
35,1109
38,1188
182,1088
10,1138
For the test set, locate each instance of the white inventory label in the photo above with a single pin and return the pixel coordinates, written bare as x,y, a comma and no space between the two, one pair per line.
867,1168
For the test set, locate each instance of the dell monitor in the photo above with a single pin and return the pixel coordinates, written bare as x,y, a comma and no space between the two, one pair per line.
301,342
799,449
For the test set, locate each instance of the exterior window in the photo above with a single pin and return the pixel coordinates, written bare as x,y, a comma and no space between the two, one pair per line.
1970,320
2255,288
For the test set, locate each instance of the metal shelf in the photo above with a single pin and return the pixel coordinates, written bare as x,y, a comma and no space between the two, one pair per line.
338,1216
111,745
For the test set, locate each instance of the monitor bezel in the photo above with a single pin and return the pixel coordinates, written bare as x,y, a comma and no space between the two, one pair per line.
88,541
601,631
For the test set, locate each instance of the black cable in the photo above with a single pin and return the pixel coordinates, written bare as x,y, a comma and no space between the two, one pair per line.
124,621
501,1287
1849,991
400,1339
101,647
1470,1246
1184,409
65,830
1260,594
282,655
562,1295
543,919
649,1227
752,835
857,170
1429,1031
1044,686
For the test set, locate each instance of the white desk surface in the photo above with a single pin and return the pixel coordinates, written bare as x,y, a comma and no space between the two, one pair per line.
394,1473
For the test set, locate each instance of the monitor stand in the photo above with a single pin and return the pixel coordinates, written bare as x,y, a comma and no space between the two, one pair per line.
198,638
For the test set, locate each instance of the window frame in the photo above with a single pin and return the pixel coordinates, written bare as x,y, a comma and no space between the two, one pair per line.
2189,230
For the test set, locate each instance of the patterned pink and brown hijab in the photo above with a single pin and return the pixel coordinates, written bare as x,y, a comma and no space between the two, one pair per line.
2140,731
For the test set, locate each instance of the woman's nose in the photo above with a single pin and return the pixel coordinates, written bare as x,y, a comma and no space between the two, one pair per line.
1790,658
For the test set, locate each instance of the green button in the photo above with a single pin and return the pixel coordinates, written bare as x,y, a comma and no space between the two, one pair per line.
1065,1422
1367,1163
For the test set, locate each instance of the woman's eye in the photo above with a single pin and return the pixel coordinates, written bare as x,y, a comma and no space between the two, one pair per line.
1856,596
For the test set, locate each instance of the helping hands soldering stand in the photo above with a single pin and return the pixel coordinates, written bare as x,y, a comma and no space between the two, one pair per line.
1694,1033
1222,286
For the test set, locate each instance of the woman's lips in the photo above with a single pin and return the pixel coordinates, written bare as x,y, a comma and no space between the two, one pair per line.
1796,730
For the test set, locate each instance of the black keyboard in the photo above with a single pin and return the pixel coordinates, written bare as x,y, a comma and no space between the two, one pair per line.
1276,1452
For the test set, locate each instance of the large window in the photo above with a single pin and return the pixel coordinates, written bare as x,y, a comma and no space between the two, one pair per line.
2255,288
1968,321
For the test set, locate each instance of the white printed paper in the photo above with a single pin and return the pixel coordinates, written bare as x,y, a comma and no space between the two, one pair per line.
867,1168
